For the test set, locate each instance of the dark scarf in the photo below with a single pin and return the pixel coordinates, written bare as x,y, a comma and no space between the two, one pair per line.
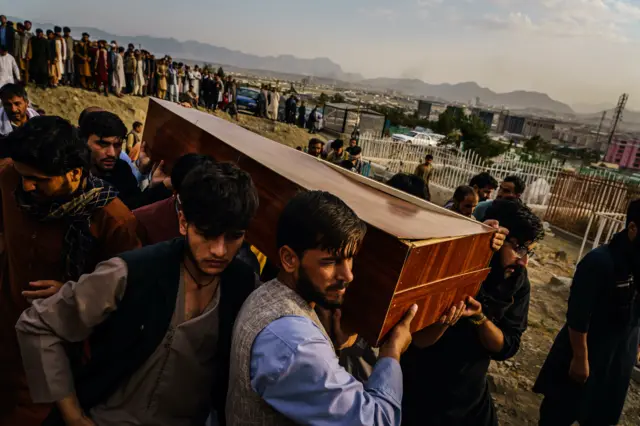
76,211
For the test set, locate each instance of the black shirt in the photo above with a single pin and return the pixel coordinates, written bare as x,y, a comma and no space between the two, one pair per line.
122,178
604,304
446,384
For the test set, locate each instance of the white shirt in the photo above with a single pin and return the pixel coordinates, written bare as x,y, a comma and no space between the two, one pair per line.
9,71
5,123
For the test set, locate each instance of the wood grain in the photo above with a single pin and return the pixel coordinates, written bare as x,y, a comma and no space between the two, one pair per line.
413,251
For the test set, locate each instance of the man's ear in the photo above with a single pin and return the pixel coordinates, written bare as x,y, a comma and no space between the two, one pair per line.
182,222
288,259
75,174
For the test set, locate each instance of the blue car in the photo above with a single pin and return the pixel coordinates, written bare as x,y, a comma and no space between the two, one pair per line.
247,99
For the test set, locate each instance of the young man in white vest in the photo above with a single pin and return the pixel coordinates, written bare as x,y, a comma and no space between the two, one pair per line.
284,368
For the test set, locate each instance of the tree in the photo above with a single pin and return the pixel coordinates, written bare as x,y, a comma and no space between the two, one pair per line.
323,99
337,98
535,146
220,72
446,123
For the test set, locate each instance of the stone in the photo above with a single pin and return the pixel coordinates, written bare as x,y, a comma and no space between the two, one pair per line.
561,256
560,283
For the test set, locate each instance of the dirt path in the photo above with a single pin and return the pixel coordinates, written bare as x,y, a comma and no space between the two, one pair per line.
512,380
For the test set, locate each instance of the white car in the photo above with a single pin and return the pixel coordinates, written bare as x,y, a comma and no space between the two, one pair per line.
418,138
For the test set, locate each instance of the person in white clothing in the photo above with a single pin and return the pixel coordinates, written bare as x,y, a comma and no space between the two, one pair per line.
15,111
274,105
195,80
9,71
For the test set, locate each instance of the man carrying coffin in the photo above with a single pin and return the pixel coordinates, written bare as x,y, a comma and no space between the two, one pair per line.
445,369
284,369
158,320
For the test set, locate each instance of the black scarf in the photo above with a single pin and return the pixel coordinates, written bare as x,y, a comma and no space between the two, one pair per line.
76,211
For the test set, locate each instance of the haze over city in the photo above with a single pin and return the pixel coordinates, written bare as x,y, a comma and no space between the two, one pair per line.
577,51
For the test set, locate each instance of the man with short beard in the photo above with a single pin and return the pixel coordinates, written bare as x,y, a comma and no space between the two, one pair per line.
284,368
57,223
587,372
445,369
105,133
158,320
15,111
314,147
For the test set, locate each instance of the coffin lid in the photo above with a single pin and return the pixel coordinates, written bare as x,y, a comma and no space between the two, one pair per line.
390,210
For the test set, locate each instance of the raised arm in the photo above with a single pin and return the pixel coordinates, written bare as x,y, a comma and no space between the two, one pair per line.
68,316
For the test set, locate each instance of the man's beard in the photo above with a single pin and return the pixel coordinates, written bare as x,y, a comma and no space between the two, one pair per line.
192,257
311,294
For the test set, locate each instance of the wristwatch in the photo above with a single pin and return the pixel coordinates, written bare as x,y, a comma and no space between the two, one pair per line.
478,319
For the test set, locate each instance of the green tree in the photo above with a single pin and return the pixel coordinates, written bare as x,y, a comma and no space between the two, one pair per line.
446,123
337,98
220,72
323,99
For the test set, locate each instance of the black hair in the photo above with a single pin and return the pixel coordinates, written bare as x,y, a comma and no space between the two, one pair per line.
218,198
28,22
121,49
57,29
356,150
320,220
66,29
428,157
49,32
633,212
85,35
298,148
337,144
20,26
518,183
103,124
184,165
483,180
411,184
39,31
136,124
462,192
3,48
522,223
314,141
346,164
49,144
12,90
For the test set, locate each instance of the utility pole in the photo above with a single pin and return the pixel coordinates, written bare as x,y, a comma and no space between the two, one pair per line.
597,144
617,117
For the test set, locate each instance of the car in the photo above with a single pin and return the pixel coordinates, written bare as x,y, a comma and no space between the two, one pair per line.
418,138
247,99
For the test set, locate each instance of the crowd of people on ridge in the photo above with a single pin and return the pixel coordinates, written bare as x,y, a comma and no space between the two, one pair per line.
129,296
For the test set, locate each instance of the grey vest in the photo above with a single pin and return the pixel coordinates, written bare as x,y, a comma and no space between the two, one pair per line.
269,302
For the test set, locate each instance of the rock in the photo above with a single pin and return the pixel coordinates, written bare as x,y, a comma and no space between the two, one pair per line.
560,283
561,256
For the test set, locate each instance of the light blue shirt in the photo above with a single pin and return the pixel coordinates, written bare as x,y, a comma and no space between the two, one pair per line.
139,176
295,370
481,210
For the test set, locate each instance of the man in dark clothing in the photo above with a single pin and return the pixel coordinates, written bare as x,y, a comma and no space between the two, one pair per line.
104,133
302,119
7,34
41,54
586,375
445,369
158,320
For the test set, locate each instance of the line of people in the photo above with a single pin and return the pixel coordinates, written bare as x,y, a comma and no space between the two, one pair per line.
107,319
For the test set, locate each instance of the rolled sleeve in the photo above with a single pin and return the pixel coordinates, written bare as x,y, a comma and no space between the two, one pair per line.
67,316
295,370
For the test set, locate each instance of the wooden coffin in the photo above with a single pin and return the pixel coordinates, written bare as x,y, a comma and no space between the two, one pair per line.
414,251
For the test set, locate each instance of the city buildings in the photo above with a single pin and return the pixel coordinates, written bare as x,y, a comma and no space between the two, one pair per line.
624,152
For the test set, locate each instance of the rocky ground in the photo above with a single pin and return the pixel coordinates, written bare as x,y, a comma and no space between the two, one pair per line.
511,381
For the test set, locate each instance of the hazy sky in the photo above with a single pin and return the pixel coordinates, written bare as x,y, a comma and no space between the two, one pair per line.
577,51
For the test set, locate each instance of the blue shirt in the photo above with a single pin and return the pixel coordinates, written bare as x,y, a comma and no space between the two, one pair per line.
481,210
3,36
295,370
139,176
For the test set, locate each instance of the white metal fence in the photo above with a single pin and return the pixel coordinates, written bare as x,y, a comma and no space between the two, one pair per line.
452,169
607,224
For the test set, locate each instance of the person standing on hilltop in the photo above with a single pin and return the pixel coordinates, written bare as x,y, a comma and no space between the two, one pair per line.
162,72
118,77
23,53
7,34
101,70
150,69
9,71
84,60
138,79
61,53
172,82
586,375
69,68
39,64
130,66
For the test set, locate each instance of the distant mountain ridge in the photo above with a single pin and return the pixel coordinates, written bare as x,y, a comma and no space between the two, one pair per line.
464,92
326,68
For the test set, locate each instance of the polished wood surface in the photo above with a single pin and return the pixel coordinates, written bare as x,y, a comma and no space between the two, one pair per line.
414,251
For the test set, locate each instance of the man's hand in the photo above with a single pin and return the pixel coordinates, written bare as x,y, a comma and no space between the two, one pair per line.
399,337
453,315
579,369
72,413
331,320
499,237
160,177
144,161
47,288
473,307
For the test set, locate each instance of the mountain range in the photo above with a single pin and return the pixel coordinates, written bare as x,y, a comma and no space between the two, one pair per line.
327,69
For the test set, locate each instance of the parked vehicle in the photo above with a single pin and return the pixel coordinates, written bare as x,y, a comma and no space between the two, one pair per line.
247,99
418,138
